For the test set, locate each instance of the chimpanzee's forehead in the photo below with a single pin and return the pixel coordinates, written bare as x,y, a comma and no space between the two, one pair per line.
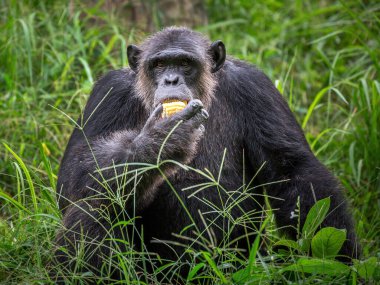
178,48
184,40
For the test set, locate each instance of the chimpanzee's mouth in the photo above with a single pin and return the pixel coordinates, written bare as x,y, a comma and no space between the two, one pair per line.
172,106
172,100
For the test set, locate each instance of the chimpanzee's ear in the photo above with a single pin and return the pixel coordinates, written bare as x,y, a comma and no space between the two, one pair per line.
133,56
218,55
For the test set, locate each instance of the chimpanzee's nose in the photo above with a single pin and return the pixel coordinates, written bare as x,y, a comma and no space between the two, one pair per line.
171,79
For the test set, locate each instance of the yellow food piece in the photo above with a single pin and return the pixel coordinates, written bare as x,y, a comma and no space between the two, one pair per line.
170,107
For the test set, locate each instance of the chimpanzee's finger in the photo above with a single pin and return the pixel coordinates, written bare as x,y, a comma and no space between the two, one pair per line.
156,114
189,111
197,120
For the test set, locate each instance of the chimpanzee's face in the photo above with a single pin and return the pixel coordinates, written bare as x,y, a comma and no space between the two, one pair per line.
177,68
175,73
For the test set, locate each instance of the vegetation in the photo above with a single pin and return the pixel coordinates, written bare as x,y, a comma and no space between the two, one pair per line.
324,56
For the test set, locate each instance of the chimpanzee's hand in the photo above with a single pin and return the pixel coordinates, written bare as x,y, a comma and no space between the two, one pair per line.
185,129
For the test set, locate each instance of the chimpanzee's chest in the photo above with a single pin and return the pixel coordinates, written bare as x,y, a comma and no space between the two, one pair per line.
214,185
220,157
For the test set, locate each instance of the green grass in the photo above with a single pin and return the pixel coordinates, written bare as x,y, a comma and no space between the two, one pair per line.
324,56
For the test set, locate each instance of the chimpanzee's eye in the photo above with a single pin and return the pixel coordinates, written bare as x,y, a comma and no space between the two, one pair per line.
158,64
185,63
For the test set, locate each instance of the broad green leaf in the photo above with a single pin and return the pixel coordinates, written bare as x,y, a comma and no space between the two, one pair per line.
327,242
288,243
246,276
319,266
314,218
366,268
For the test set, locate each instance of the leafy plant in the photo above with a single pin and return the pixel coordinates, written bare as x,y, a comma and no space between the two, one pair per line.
324,57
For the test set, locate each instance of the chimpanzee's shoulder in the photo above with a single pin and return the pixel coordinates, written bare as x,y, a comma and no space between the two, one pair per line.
244,80
118,79
113,103
236,69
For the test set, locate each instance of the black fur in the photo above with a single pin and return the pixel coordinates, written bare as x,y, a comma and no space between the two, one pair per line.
247,116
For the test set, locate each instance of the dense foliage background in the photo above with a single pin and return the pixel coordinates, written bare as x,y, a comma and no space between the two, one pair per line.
324,56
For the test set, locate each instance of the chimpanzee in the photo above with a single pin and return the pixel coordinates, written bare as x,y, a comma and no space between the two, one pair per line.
236,128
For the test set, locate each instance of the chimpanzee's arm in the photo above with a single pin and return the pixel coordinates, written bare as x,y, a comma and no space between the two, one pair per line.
274,136
117,131
111,112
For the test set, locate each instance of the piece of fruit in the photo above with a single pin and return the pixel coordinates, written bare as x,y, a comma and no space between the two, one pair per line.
170,107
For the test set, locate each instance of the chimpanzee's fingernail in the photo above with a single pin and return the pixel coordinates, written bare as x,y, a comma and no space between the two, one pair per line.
205,114
195,104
